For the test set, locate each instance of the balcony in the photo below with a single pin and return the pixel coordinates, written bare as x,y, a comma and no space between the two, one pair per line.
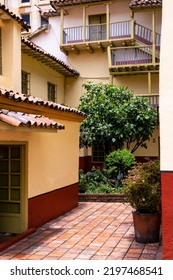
96,36
100,36
153,100
138,59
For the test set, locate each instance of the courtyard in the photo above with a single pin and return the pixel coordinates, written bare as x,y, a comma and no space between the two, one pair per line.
92,231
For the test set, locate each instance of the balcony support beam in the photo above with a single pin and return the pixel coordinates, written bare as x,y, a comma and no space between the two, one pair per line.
154,37
61,26
89,48
132,26
149,83
84,23
75,49
107,21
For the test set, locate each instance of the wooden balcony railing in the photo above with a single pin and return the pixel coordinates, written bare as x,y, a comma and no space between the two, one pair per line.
116,30
134,55
96,32
153,100
145,35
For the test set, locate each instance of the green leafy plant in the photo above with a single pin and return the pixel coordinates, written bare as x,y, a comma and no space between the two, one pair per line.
115,116
94,182
118,163
143,187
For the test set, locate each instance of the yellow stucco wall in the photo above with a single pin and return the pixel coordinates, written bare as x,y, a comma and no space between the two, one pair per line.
53,158
40,75
11,64
152,146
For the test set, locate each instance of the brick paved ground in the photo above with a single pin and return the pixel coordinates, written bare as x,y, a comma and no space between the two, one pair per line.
92,231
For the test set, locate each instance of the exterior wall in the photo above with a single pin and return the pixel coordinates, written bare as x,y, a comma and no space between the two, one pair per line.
152,147
40,74
51,35
48,206
166,129
145,19
52,170
50,166
60,166
11,44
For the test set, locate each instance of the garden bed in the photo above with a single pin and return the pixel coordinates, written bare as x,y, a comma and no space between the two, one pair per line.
101,197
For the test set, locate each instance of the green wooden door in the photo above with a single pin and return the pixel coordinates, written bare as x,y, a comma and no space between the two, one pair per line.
12,188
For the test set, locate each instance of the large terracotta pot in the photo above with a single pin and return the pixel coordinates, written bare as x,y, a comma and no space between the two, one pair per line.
147,227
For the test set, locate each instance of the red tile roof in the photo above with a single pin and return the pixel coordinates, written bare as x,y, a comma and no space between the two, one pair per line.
51,13
56,63
134,3
15,17
62,3
145,3
19,97
28,120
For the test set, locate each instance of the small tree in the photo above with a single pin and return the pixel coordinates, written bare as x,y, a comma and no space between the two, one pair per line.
119,162
115,116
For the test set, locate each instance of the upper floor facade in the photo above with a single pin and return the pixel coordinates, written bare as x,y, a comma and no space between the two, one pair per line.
129,32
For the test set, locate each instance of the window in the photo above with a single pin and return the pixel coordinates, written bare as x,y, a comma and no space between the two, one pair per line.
25,83
98,154
0,54
52,92
43,21
26,18
25,1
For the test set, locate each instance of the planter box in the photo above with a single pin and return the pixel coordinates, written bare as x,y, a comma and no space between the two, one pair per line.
101,197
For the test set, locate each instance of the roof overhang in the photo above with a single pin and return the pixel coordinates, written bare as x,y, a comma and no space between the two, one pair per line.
5,14
41,55
32,105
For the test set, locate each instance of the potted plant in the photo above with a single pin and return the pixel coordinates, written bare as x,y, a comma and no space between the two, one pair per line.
143,193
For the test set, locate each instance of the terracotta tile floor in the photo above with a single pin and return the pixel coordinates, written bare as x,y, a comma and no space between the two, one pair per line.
92,231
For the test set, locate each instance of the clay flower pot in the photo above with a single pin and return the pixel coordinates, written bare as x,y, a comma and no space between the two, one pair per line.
147,227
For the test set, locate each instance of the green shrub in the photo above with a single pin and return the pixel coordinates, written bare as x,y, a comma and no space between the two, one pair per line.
92,179
94,182
118,163
143,187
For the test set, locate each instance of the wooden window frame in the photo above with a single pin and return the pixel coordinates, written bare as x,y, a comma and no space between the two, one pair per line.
25,85
51,92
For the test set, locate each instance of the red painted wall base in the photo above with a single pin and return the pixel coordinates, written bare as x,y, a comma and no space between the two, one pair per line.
45,207
167,215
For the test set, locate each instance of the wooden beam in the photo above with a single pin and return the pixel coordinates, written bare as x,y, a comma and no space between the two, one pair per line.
101,47
107,21
89,48
75,49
